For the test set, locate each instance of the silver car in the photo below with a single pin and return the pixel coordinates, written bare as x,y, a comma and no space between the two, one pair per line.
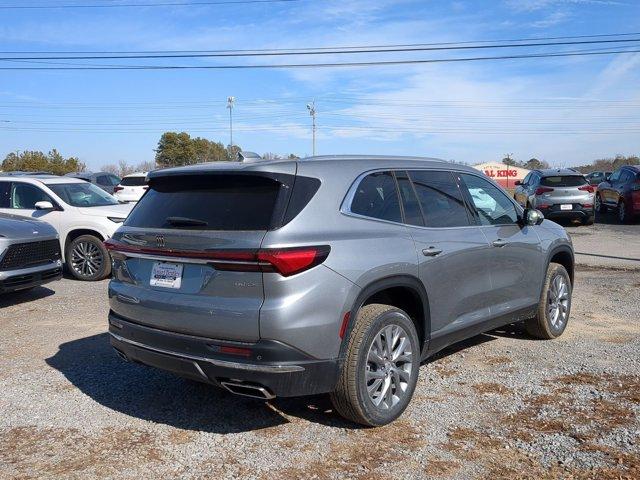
29,253
558,193
328,274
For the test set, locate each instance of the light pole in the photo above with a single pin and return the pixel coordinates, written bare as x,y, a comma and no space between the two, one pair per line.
312,111
230,102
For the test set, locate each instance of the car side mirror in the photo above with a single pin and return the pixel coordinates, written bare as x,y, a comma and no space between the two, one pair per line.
518,182
607,177
531,216
44,205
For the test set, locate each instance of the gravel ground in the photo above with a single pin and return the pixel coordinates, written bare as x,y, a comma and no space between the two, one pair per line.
501,405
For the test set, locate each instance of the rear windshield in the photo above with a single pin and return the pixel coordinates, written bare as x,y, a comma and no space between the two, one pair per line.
225,202
563,181
133,181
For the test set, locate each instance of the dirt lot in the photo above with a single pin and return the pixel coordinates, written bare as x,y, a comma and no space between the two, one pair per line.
499,406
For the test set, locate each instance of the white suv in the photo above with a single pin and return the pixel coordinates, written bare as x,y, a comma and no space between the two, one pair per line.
131,187
83,214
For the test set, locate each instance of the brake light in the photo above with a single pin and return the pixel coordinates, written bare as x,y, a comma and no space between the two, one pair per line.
285,261
117,189
587,188
541,190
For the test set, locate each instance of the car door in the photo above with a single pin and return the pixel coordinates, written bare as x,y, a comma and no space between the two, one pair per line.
452,251
23,196
515,259
608,189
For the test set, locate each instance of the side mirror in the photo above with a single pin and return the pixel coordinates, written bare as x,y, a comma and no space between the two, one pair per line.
531,216
607,177
518,182
44,205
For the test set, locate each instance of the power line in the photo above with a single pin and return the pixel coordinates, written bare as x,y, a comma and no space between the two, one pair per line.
330,64
342,47
142,5
302,52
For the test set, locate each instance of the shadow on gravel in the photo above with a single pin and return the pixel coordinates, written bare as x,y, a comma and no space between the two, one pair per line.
24,296
149,394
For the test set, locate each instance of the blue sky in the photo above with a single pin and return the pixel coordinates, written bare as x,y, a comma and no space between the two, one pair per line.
567,110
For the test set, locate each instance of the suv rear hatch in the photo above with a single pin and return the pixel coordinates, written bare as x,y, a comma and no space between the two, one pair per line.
187,258
565,189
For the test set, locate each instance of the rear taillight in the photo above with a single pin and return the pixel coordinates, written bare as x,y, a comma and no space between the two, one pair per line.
541,190
117,189
285,261
587,188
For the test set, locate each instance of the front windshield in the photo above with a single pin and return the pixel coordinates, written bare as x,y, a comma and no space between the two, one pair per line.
82,194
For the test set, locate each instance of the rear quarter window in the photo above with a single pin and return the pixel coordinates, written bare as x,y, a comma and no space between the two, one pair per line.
210,202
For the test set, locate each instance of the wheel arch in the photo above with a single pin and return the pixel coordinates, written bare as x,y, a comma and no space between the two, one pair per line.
402,291
78,232
563,254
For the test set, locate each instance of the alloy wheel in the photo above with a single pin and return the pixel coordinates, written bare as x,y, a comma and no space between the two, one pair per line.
86,259
558,306
621,212
597,205
388,368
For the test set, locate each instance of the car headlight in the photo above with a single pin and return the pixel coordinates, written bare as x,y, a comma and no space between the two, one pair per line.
116,219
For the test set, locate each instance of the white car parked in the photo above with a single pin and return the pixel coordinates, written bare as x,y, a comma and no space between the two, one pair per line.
131,187
83,214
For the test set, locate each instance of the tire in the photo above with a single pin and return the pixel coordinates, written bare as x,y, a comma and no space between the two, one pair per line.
351,399
623,213
87,259
589,221
600,207
546,325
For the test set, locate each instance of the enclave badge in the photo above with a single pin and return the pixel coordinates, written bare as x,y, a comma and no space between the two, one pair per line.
160,240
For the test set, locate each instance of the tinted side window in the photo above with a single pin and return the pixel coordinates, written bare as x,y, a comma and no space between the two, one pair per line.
625,176
615,176
440,199
377,197
103,180
527,179
412,212
5,193
493,206
25,195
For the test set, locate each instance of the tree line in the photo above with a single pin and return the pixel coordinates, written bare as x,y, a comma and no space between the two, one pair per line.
35,161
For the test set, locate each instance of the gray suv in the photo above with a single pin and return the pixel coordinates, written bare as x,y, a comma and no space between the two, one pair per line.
328,274
29,253
558,193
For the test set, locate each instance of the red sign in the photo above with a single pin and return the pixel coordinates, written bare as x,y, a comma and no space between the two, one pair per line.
506,173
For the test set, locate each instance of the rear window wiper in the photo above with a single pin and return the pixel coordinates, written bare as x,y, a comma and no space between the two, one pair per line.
186,222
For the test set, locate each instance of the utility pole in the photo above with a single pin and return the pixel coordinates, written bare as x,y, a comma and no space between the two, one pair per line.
312,111
230,102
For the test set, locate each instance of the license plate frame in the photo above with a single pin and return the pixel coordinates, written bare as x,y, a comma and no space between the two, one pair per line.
566,206
166,275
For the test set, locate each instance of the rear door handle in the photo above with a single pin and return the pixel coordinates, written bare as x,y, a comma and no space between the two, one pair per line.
499,243
431,252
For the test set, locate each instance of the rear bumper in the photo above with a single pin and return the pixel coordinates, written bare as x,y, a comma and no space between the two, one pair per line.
578,212
281,370
14,280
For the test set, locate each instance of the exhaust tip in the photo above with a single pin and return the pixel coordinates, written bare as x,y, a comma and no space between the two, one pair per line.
248,390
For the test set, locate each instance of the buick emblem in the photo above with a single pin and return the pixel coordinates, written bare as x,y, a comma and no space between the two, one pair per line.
160,240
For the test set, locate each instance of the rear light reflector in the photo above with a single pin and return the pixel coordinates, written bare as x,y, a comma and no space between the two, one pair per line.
117,189
587,205
541,190
239,351
587,188
345,324
285,261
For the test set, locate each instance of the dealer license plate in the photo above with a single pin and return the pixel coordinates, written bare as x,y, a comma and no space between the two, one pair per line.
168,275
